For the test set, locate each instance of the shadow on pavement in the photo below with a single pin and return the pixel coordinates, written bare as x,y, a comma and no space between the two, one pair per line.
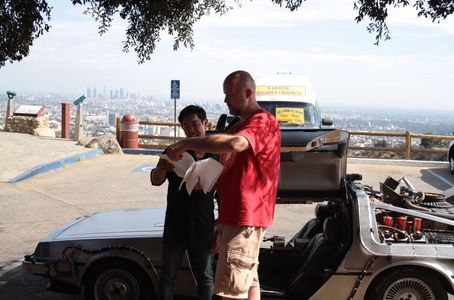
439,178
18,285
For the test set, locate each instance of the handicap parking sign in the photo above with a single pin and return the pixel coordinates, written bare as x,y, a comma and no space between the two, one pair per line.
175,89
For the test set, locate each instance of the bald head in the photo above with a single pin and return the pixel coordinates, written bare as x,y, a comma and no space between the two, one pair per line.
239,90
241,77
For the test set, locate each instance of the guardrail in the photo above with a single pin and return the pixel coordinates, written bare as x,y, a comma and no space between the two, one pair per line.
405,147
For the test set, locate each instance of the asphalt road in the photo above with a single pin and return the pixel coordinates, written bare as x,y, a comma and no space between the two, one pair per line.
30,209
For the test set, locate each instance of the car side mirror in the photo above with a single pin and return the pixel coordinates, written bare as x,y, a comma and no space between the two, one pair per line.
220,125
232,120
327,122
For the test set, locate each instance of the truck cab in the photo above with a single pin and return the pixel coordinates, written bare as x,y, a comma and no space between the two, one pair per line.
291,100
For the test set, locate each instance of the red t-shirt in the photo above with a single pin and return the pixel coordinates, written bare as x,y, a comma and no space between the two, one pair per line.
248,185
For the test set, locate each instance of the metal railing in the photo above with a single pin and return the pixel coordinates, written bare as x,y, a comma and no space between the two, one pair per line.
405,147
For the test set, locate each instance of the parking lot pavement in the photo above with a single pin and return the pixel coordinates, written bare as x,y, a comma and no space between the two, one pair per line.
20,153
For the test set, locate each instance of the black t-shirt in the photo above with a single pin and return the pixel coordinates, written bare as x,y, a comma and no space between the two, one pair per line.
189,218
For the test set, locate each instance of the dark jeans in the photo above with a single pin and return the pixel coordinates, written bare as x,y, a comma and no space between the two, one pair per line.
200,258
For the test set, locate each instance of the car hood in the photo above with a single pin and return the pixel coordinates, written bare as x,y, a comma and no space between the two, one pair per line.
143,222
313,164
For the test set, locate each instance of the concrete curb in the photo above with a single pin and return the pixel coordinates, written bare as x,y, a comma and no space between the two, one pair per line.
141,151
55,165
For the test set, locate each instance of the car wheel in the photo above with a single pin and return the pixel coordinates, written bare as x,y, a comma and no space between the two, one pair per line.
451,164
408,284
117,281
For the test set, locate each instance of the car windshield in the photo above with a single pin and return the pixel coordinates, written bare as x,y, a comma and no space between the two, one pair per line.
292,114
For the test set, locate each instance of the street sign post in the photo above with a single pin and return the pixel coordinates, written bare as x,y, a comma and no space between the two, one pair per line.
175,94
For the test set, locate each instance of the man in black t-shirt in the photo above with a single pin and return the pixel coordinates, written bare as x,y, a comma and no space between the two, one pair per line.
189,221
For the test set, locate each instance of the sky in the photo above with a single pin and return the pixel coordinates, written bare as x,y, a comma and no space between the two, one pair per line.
320,41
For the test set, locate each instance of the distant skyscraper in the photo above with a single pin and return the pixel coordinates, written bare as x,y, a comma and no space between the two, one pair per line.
111,94
95,95
122,93
112,119
88,92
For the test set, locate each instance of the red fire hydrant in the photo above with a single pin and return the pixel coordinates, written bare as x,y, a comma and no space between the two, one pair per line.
129,132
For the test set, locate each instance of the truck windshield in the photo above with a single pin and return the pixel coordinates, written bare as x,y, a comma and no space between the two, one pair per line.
292,114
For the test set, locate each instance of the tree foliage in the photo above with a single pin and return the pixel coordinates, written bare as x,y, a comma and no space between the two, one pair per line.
428,143
146,19
22,21
377,12
381,143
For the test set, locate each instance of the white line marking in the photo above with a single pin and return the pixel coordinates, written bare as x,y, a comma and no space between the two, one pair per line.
147,169
440,177
10,268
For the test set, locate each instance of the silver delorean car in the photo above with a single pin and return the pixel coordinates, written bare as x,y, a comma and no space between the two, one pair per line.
361,244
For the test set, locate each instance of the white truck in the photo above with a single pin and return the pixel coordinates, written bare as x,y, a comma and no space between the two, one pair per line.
291,100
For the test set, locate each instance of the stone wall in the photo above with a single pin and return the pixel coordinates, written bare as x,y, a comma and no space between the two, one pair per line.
31,125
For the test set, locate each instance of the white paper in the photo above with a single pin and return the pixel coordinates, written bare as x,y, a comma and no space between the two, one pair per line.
191,178
209,171
182,165
205,171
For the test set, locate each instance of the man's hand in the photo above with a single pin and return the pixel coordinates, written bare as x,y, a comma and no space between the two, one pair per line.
158,175
175,151
165,165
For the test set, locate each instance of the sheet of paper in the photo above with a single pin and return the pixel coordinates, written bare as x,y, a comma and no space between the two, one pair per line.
191,178
205,171
209,172
182,165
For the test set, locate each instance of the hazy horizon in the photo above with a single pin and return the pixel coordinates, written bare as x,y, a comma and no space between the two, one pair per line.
69,98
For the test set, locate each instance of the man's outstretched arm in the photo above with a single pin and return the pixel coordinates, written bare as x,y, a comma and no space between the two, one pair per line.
215,144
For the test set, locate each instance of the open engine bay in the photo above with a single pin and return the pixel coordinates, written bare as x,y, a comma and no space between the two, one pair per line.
402,227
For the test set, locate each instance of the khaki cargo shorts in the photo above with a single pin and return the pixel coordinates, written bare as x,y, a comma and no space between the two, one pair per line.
237,266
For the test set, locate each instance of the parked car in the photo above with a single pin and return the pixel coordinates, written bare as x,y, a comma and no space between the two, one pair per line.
451,157
369,245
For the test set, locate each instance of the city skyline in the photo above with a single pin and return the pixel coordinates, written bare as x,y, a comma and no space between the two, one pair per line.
321,41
